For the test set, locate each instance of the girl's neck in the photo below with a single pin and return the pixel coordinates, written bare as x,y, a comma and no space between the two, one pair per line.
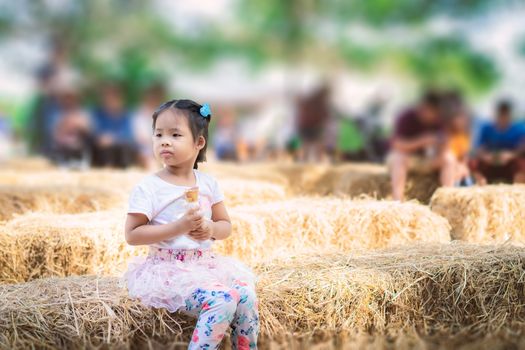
178,176
183,173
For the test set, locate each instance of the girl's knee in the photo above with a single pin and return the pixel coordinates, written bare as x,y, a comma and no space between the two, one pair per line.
246,296
229,308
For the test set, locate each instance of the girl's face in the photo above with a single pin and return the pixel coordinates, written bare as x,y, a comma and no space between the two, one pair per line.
173,141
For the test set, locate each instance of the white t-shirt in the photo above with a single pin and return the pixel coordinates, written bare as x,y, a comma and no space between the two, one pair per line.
163,202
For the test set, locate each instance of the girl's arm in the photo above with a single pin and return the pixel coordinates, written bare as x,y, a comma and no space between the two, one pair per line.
221,224
138,232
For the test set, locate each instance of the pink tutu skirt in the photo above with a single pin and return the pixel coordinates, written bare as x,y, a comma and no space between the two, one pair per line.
167,277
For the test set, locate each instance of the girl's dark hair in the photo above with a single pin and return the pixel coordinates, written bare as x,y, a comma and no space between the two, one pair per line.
198,123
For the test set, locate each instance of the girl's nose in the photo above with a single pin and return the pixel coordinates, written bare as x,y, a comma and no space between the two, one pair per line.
165,142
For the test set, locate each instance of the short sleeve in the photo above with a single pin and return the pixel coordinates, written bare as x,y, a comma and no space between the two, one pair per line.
402,126
141,201
216,193
484,136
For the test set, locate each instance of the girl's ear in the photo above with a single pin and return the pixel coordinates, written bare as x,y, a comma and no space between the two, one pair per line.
201,142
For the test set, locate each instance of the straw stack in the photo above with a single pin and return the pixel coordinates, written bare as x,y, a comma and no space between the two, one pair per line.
56,199
116,180
39,245
487,214
354,180
32,164
42,245
451,290
244,192
310,224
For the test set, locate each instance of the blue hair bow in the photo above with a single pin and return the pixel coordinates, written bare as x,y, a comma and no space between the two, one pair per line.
205,110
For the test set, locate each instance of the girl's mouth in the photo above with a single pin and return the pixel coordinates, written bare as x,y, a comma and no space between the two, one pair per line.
166,153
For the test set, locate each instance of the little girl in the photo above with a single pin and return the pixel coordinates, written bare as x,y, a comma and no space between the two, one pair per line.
181,272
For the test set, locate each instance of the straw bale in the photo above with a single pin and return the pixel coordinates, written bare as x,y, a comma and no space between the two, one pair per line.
116,180
31,163
252,171
421,186
348,179
40,245
311,224
243,192
488,214
55,199
237,190
354,180
43,245
462,291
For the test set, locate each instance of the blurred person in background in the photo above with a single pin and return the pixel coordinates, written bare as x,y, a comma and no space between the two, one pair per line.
114,141
418,145
499,157
313,113
142,123
6,137
252,136
225,136
71,135
45,107
371,130
458,145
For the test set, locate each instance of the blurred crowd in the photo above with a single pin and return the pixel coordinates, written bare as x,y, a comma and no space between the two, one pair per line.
439,133
107,134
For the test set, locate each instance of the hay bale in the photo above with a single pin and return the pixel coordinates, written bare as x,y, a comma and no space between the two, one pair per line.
421,186
348,179
243,192
451,290
238,190
437,289
310,224
55,199
43,245
115,180
31,163
298,178
488,214
354,180
252,171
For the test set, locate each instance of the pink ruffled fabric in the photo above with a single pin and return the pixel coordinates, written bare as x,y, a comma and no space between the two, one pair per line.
167,277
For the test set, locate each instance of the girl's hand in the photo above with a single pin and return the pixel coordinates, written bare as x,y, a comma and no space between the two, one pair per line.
204,232
192,220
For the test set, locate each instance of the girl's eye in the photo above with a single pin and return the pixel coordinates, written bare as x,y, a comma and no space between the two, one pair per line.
157,135
176,135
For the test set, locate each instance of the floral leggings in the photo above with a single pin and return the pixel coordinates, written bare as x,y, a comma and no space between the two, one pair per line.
218,307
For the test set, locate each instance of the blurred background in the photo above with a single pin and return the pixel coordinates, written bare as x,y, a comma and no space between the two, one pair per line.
297,80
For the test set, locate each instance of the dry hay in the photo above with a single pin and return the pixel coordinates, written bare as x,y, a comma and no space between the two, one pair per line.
32,164
403,340
237,190
349,179
421,186
43,245
310,224
56,199
115,180
302,178
255,171
298,178
243,192
354,180
487,214
460,291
